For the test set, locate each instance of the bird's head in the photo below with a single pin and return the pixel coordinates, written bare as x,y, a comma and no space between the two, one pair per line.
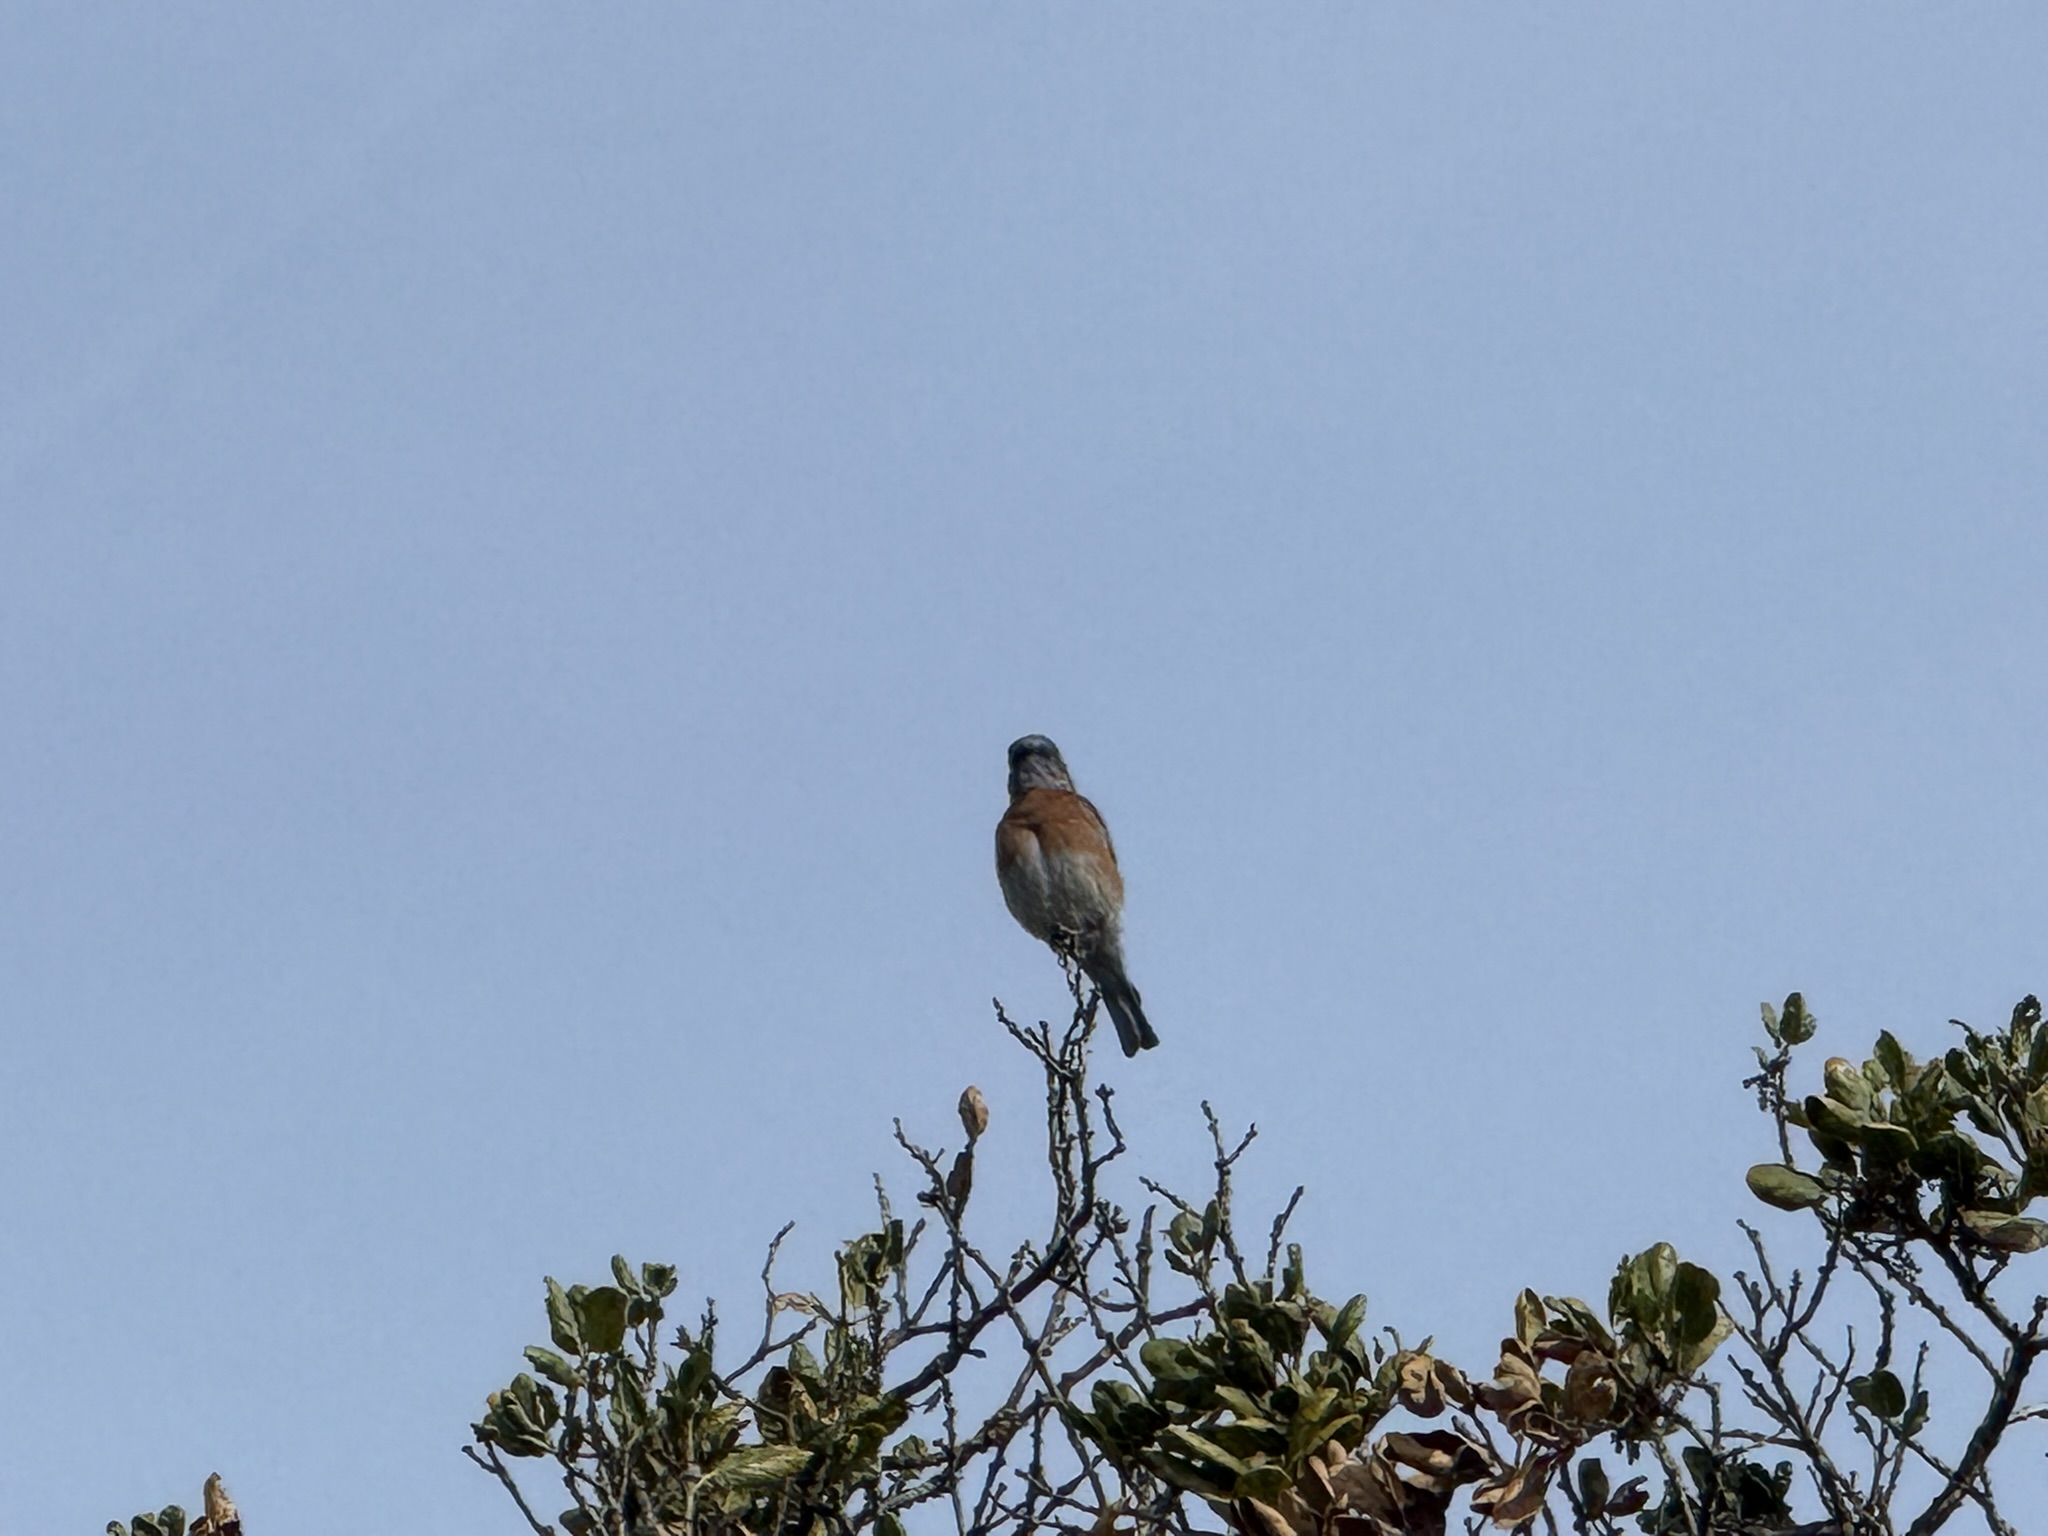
1035,763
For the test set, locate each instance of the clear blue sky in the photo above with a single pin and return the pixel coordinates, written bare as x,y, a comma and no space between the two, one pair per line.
525,532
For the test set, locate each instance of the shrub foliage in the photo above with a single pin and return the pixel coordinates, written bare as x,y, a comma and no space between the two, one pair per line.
1160,1371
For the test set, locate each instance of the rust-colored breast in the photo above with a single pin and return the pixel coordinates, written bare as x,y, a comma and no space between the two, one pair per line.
1065,827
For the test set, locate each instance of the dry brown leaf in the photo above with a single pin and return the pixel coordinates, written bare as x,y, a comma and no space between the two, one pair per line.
1416,1384
1257,1518
1628,1498
1519,1496
1515,1388
1546,1428
1368,1488
1298,1512
221,1517
1590,1389
1314,1485
1454,1385
973,1112
1440,1459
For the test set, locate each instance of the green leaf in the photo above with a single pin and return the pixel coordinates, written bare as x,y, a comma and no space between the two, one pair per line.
1581,1323
804,1366
1250,1363
1267,1484
553,1366
172,1519
659,1280
2026,1015
1194,1477
1294,1277
1831,1116
758,1468
562,1319
518,1418
1885,1144
1794,1022
2037,1054
577,1522
1243,1404
693,1376
1898,1066
1847,1085
509,1425
909,1451
1187,1443
1786,1188
1641,1290
1880,1392
886,1413
1172,1359
1347,1322
860,1271
1948,1156
1124,1420
1699,1461
601,1315
1696,1298
2007,1234
1916,1415
1837,1153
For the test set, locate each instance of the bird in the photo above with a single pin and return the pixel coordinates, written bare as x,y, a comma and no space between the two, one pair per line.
1058,871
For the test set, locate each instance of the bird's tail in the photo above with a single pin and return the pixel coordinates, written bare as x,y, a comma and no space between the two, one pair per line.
1133,1033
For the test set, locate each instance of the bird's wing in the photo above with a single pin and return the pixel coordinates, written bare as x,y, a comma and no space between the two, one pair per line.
1068,829
1016,840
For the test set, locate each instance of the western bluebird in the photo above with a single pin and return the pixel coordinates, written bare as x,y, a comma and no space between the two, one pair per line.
1060,880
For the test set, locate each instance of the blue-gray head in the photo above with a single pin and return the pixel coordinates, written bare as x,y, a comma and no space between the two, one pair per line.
1035,763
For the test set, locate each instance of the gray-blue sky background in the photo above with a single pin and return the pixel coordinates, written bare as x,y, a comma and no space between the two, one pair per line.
525,532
